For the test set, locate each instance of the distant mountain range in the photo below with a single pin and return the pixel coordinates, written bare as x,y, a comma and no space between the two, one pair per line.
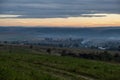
33,33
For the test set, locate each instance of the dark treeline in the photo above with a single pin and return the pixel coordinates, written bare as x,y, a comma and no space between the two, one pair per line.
102,55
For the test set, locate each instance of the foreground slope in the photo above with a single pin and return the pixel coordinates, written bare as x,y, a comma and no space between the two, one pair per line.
20,63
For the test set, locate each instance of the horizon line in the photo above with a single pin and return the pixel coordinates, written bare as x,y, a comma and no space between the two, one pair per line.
61,26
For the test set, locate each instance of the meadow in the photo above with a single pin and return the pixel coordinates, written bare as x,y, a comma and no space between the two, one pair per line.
23,63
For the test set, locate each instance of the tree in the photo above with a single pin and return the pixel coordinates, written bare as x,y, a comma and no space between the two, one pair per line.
64,53
119,48
48,50
117,57
1,45
31,46
5,42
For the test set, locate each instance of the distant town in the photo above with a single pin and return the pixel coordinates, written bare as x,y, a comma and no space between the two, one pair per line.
70,43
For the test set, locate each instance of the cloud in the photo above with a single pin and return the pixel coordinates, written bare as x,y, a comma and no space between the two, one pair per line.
94,15
59,8
9,16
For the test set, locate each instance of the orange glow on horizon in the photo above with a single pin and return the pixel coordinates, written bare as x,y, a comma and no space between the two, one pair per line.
108,20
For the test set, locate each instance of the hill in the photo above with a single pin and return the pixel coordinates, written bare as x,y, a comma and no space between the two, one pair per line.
22,63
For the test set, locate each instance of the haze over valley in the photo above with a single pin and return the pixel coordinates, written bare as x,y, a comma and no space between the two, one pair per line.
101,37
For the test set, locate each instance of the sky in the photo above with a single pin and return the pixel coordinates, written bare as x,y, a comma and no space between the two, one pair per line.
60,13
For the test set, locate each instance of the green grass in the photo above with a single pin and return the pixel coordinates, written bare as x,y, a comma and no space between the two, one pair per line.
25,64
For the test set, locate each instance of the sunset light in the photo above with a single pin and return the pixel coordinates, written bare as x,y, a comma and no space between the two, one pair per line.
90,20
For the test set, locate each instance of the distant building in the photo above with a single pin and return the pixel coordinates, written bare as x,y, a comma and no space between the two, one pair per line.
101,48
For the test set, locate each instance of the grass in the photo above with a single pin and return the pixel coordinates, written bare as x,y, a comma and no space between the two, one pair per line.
25,64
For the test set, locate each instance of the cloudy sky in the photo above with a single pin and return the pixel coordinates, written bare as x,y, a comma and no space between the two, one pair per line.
60,13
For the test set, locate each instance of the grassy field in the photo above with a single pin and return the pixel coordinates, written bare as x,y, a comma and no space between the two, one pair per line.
20,63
